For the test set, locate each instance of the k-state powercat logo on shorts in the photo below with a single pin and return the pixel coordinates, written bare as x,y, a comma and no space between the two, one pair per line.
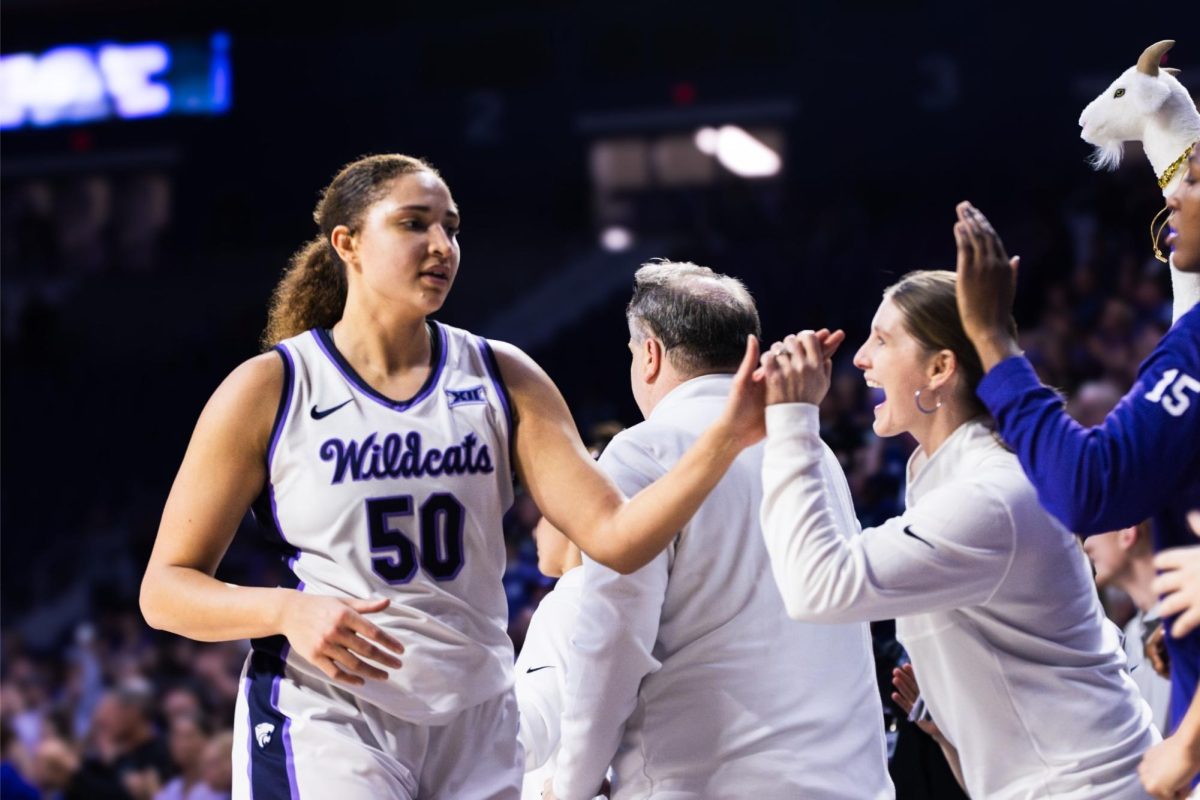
458,397
262,733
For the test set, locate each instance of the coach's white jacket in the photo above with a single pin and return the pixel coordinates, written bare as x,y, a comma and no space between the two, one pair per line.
689,677
994,602
541,675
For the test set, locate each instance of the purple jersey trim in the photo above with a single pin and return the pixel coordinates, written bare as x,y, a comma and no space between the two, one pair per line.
288,750
249,736
493,370
285,402
438,357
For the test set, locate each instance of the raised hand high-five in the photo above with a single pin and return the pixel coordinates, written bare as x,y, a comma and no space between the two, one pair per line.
987,283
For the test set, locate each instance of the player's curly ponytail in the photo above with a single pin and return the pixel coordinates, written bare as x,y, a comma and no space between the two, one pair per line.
312,292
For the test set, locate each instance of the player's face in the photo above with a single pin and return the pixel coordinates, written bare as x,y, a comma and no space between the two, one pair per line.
893,361
407,245
1184,203
1107,556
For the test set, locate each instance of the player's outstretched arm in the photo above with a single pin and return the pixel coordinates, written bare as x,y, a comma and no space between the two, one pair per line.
581,501
222,472
1122,470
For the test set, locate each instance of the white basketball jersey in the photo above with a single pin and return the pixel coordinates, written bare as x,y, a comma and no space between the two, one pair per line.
373,497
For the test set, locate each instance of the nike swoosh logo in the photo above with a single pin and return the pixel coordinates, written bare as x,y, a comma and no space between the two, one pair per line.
318,414
535,669
908,531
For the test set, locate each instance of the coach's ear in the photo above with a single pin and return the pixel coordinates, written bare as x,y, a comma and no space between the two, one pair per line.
651,359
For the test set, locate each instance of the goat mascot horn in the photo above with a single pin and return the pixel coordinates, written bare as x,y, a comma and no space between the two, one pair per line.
1152,55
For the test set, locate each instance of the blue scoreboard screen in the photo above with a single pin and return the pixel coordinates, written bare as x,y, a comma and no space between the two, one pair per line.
75,84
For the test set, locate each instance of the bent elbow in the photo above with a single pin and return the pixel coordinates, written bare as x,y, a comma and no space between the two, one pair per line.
1081,519
813,606
618,562
149,604
608,549
800,608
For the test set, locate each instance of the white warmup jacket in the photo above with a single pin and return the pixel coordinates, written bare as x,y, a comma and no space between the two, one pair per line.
541,676
993,600
689,677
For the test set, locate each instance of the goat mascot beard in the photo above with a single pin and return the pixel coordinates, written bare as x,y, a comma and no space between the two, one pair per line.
1148,104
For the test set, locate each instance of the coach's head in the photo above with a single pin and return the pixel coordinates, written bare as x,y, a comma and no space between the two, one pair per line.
684,321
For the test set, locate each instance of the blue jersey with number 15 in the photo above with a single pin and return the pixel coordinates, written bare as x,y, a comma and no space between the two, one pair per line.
1142,462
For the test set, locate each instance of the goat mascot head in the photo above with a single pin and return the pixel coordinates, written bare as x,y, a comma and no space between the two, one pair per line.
1147,104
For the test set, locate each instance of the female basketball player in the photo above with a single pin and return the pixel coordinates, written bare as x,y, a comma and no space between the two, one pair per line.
992,598
1142,461
378,447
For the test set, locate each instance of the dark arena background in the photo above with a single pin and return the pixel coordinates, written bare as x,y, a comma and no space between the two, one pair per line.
160,163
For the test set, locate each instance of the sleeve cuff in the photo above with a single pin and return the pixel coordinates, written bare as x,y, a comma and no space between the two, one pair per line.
1010,378
792,420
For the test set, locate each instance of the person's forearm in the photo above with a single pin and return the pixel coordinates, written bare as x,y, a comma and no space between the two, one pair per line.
612,652
534,734
951,754
190,603
640,528
812,561
1188,731
994,347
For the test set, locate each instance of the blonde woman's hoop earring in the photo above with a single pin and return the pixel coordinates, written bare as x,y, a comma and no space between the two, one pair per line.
921,408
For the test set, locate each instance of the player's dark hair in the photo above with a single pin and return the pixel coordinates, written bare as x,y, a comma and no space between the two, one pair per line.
312,292
701,317
929,309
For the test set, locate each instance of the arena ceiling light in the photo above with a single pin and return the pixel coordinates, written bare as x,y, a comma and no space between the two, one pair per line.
616,239
739,151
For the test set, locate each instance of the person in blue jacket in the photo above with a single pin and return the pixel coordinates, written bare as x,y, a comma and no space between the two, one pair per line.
1142,461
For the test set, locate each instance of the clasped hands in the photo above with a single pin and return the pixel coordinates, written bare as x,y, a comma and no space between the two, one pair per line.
798,369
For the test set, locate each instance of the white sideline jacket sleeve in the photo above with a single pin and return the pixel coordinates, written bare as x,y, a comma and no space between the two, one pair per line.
539,693
611,647
954,549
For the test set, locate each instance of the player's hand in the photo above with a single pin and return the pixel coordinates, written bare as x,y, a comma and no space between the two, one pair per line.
744,415
799,369
987,283
1167,769
1178,584
333,634
906,694
1154,648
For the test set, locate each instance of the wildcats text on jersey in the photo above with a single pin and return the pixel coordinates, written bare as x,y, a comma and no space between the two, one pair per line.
402,457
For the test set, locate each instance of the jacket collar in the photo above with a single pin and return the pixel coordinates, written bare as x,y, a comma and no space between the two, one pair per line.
717,385
951,461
